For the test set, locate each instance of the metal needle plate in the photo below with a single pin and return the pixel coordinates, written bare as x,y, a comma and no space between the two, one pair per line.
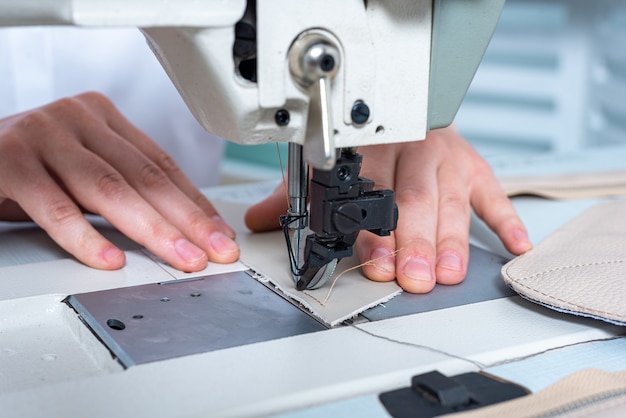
483,282
155,322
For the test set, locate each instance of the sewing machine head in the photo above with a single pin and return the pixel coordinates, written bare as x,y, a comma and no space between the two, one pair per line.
326,76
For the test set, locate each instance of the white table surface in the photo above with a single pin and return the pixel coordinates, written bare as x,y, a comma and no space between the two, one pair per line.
50,365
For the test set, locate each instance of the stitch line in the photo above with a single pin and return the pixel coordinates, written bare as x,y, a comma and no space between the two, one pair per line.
552,270
556,300
586,309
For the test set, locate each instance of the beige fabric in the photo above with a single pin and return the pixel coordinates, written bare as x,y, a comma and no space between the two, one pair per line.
568,186
580,268
587,393
266,253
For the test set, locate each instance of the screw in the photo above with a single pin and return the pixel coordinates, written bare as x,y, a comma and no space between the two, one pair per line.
360,112
327,63
343,173
348,218
282,117
195,294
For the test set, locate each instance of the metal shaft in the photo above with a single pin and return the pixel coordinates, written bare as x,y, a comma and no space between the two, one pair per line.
298,188
298,182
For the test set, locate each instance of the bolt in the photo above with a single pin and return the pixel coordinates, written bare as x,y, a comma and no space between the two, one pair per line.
282,117
360,112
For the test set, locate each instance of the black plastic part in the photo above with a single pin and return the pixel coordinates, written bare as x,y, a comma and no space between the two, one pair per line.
245,40
342,205
245,45
432,394
446,391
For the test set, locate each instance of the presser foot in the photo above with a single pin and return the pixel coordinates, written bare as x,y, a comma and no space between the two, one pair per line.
315,276
307,272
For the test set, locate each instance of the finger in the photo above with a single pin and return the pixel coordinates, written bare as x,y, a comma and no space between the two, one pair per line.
158,190
47,205
378,253
101,189
493,206
148,177
453,224
264,216
417,199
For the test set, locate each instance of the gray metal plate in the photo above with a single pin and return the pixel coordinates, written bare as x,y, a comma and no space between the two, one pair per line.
483,282
154,322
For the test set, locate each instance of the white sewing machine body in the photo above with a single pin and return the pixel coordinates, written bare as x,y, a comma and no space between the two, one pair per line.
323,82
410,63
51,365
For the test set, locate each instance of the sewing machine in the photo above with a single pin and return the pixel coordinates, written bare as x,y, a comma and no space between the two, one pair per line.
238,79
323,83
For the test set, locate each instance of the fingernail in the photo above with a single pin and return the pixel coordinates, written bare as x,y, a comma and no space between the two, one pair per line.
383,260
226,229
418,269
112,254
449,261
187,251
521,236
221,243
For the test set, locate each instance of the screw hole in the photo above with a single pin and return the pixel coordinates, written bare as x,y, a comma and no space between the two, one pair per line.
137,316
115,324
380,130
196,294
343,173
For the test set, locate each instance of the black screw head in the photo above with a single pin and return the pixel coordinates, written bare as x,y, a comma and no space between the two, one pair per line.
282,117
348,218
360,112
327,63
343,173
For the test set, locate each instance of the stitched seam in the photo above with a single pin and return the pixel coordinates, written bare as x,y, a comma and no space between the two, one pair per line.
596,263
574,305
551,297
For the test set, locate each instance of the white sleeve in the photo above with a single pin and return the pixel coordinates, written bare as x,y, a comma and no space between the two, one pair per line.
45,64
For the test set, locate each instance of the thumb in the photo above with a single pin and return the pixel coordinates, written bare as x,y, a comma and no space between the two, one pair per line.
264,216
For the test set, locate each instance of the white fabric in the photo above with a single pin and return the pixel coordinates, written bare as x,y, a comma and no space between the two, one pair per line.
42,64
